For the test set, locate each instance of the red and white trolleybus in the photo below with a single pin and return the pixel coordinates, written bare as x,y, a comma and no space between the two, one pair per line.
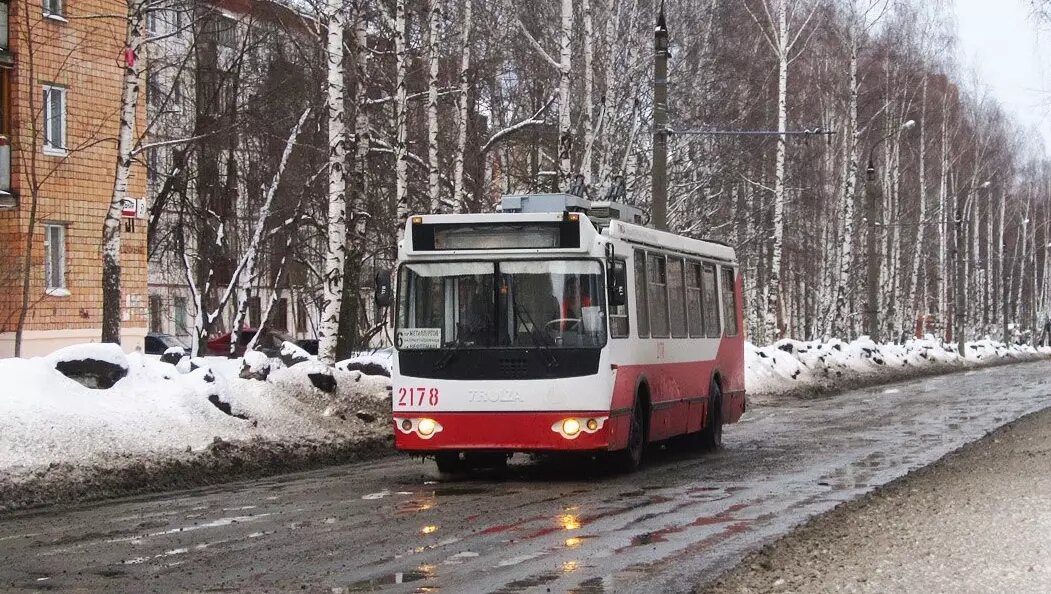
561,325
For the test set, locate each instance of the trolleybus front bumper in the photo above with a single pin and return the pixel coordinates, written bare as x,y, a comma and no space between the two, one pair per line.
507,431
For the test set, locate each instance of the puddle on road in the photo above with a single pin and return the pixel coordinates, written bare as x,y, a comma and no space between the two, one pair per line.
423,572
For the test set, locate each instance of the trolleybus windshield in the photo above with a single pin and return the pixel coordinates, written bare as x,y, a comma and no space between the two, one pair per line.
507,304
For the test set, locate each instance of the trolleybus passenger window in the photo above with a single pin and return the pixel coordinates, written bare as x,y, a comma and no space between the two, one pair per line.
693,299
729,302
658,295
710,299
677,298
641,303
618,315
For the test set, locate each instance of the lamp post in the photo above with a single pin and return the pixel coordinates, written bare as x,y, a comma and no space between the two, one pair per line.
963,206
660,123
871,212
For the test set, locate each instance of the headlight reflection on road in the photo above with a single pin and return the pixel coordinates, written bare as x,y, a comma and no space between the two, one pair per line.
570,566
574,542
569,521
429,529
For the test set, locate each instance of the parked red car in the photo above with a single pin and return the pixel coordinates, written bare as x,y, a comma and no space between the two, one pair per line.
269,343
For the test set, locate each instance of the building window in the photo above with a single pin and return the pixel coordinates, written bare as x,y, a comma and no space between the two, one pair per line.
641,303
54,8
729,302
156,313
5,11
255,311
280,315
656,269
179,313
55,260
54,120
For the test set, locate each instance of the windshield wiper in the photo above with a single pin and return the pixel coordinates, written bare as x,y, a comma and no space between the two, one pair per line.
449,355
549,358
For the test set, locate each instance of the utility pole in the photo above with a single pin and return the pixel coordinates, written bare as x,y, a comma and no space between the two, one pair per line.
871,317
872,261
660,124
958,283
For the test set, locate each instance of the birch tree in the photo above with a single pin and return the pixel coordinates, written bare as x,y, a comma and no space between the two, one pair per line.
336,254
111,227
783,40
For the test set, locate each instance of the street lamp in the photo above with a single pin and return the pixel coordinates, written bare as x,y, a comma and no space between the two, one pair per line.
872,274
963,207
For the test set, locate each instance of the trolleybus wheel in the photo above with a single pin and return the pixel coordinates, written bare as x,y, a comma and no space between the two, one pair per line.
450,462
630,457
711,437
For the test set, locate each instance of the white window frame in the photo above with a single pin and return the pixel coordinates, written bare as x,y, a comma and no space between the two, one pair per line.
52,288
50,148
48,6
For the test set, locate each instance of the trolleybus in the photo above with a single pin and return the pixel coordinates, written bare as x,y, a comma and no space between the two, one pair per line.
558,325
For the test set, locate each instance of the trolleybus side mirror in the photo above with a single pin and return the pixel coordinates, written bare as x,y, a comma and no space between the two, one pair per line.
616,273
383,289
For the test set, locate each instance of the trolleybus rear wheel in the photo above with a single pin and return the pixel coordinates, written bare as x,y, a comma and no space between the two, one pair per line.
711,437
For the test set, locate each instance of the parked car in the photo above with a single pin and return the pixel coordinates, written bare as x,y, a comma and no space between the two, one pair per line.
158,342
269,343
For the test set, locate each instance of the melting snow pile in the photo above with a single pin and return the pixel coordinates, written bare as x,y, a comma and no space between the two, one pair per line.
792,364
157,408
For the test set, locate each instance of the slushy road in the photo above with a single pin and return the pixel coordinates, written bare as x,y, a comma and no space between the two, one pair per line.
393,525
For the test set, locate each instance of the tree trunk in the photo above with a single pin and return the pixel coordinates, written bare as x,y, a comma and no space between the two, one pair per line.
911,306
336,253
401,113
459,194
565,136
111,270
774,312
433,188
589,94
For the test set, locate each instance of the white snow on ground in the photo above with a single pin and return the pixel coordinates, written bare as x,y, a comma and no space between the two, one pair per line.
161,409
792,364
47,418
381,357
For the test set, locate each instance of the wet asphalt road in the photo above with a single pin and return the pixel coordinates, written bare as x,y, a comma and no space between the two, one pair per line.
393,526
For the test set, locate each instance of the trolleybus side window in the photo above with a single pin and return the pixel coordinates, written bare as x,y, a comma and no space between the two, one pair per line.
641,303
618,315
656,268
677,298
710,298
729,302
693,299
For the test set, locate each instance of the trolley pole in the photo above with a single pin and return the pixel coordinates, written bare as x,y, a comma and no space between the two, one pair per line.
660,123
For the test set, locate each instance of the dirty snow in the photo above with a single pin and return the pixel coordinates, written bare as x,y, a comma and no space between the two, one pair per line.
789,365
158,409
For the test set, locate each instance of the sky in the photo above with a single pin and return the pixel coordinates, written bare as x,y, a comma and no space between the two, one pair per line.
1010,56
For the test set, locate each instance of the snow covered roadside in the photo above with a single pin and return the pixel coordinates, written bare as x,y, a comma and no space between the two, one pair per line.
796,368
165,426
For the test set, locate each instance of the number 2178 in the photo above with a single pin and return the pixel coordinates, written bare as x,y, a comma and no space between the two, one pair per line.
417,396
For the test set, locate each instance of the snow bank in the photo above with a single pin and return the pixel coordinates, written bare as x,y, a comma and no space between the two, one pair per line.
789,365
159,409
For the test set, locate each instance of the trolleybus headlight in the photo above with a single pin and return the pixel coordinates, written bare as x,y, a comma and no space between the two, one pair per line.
592,425
570,427
426,427
406,425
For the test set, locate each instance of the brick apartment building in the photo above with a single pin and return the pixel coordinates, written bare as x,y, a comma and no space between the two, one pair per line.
60,87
